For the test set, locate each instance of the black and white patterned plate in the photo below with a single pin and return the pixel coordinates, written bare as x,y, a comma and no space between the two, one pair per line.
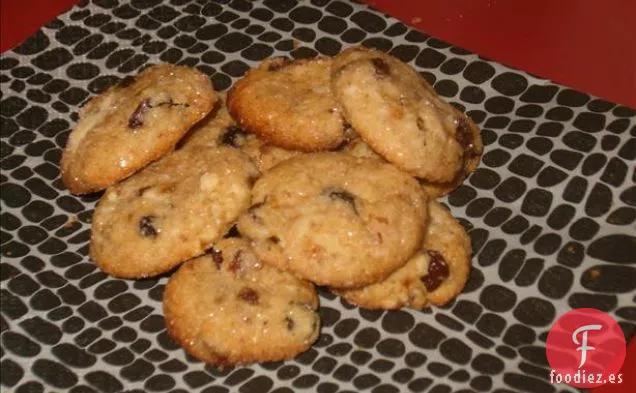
551,213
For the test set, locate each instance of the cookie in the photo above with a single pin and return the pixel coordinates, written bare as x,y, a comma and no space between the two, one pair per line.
471,160
358,148
227,308
289,104
434,275
335,219
133,124
265,155
171,211
211,130
401,117
221,130
449,248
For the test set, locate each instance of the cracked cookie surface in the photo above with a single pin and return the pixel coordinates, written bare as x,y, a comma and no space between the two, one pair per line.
335,219
226,308
132,124
171,211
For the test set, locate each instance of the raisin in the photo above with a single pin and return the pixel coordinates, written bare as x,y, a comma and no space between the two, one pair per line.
136,120
217,256
344,196
230,136
127,81
382,68
464,135
274,239
233,232
249,295
146,227
235,265
290,323
437,271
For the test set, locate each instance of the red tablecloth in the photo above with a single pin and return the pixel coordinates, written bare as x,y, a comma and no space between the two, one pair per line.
589,45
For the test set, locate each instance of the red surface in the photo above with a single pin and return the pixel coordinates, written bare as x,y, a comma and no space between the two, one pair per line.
629,374
589,45
19,19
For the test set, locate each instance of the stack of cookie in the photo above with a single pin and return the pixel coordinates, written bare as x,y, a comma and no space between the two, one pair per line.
312,172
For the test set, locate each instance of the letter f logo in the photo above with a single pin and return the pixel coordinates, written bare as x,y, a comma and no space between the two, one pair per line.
584,347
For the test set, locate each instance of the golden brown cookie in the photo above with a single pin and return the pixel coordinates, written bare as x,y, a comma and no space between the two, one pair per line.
289,104
401,117
265,155
227,308
133,124
335,219
434,275
171,211
210,130
449,247
222,130
358,148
